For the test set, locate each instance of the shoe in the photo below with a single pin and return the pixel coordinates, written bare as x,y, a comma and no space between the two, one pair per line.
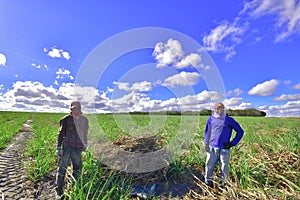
61,197
209,183
59,194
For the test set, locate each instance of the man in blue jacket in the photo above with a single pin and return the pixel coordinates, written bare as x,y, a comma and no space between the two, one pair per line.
217,141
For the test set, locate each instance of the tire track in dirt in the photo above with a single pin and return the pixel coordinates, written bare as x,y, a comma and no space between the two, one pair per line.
14,182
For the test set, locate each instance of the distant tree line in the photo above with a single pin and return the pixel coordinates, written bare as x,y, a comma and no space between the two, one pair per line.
246,112
206,112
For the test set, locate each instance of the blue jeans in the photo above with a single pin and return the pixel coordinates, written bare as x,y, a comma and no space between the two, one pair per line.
68,154
214,156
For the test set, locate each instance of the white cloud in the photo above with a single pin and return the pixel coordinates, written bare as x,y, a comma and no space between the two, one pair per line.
285,13
2,59
57,53
224,38
138,86
236,103
167,53
142,86
36,65
55,82
34,96
286,97
65,54
135,100
171,53
202,100
291,108
63,73
266,88
1,88
127,103
297,86
191,59
182,79
227,35
236,92
122,86
39,66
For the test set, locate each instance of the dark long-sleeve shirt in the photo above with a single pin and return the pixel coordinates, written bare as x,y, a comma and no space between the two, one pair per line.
73,132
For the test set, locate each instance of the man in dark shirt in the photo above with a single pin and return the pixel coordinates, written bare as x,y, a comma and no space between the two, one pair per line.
71,141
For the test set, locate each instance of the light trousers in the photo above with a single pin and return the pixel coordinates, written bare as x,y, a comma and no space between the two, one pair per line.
214,156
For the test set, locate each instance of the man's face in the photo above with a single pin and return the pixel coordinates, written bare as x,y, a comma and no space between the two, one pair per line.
76,112
219,109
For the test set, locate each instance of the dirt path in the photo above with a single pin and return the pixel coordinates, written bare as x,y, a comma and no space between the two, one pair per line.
14,182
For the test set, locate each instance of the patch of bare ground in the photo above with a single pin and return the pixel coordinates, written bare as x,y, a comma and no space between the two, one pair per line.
126,154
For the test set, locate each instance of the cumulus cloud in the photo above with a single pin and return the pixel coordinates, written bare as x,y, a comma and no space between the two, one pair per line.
266,88
138,86
291,108
122,86
202,100
237,103
191,59
171,53
287,97
63,73
34,96
30,95
142,86
57,53
127,103
167,53
2,59
182,79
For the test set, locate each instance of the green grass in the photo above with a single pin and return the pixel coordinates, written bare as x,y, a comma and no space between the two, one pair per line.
98,182
265,164
41,149
11,124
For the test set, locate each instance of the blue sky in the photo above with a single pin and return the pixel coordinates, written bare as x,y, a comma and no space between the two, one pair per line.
119,56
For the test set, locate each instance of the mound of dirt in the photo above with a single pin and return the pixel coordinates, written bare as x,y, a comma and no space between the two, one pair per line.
161,182
143,144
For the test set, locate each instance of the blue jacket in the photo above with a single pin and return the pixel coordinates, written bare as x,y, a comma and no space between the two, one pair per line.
218,131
